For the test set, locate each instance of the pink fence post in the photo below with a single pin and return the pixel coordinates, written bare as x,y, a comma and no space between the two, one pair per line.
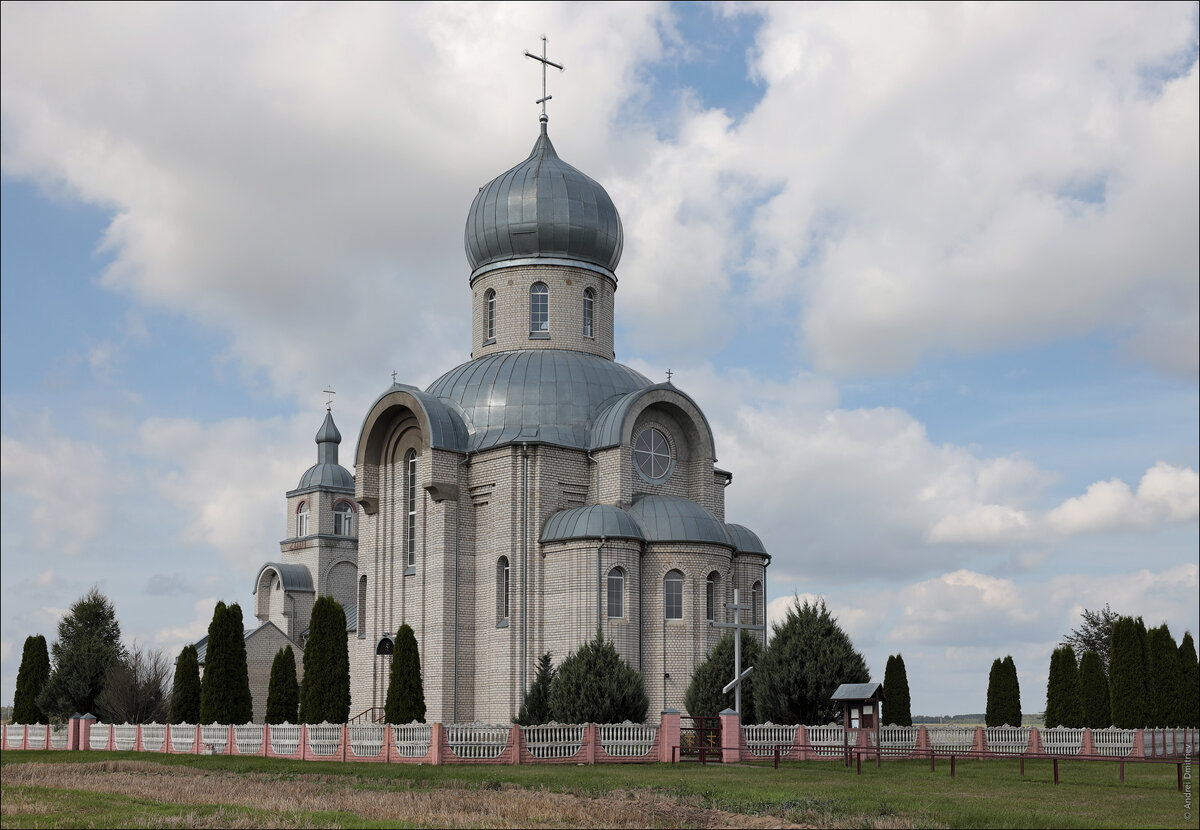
979,742
304,756
437,744
668,731
591,743
1139,745
112,738
803,748
516,739
731,734
138,746
1035,742
1089,743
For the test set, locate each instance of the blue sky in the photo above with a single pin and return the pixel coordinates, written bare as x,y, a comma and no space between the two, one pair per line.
930,270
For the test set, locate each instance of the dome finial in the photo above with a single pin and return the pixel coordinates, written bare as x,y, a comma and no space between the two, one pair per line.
544,61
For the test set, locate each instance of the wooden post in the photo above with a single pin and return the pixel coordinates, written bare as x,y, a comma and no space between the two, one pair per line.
858,755
1056,770
951,766
1023,766
1122,770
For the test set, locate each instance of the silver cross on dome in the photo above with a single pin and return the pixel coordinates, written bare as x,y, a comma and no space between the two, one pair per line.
544,61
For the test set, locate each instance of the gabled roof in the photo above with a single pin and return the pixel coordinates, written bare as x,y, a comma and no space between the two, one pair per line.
858,691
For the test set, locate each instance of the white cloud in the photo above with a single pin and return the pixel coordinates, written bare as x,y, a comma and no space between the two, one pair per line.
1166,493
174,637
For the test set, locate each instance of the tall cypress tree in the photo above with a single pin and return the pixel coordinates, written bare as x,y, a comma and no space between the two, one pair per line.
1162,677
283,693
1093,686
31,679
225,688
1125,680
325,690
241,702
1188,713
898,705
1063,704
185,694
406,693
994,714
216,673
1012,693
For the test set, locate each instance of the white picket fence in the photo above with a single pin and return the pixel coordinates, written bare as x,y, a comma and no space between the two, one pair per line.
248,739
366,741
763,738
897,737
1113,742
15,736
285,738
1007,740
477,740
125,737
413,740
98,736
627,740
58,737
183,737
324,739
1062,740
951,738
553,740
829,740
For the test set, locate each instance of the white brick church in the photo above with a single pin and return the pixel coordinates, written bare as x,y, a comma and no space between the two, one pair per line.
527,496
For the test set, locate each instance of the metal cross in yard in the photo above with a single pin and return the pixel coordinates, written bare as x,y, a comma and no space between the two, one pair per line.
738,626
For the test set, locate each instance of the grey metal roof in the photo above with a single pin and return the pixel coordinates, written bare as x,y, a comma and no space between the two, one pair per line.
545,396
447,426
543,207
607,428
857,691
295,578
675,519
327,474
592,521
744,539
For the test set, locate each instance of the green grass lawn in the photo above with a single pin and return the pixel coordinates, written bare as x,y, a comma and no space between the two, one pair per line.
988,793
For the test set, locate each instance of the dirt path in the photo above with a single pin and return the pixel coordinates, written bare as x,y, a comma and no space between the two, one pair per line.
507,806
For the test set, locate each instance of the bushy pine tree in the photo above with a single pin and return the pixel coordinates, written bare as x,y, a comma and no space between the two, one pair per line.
704,697
1126,682
185,694
31,679
1188,713
897,706
808,657
1012,698
406,693
1093,685
536,708
88,645
595,685
1064,706
1162,677
325,690
283,692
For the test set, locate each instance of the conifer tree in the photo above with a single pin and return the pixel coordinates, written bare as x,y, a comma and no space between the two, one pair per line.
808,657
31,679
1012,697
898,705
536,708
88,645
1064,706
1162,677
1093,685
994,714
325,690
225,689
241,704
406,693
283,692
595,685
185,694
704,697
1126,683
1188,713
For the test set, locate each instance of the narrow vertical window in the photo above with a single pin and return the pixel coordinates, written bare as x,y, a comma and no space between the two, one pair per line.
343,519
502,591
302,519
712,596
362,606
589,305
489,303
673,595
616,594
411,476
756,603
539,308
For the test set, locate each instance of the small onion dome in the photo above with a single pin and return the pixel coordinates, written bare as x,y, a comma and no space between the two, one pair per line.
543,208
327,474
675,519
593,521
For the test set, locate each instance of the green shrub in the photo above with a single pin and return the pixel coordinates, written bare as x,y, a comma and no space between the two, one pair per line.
536,708
595,685
406,693
283,693
704,697
31,679
897,704
185,694
325,690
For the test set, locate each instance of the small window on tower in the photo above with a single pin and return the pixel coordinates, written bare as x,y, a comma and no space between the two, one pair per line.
302,519
502,592
343,519
712,595
489,310
589,305
616,594
539,308
673,595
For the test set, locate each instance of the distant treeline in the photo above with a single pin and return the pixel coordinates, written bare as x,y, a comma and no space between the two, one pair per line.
969,720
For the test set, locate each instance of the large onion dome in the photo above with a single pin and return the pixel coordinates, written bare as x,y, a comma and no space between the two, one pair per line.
543,208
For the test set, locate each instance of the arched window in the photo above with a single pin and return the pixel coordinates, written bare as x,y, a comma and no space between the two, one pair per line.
343,519
712,596
385,646
756,603
502,591
673,595
539,308
489,310
362,606
616,594
410,486
589,305
302,519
